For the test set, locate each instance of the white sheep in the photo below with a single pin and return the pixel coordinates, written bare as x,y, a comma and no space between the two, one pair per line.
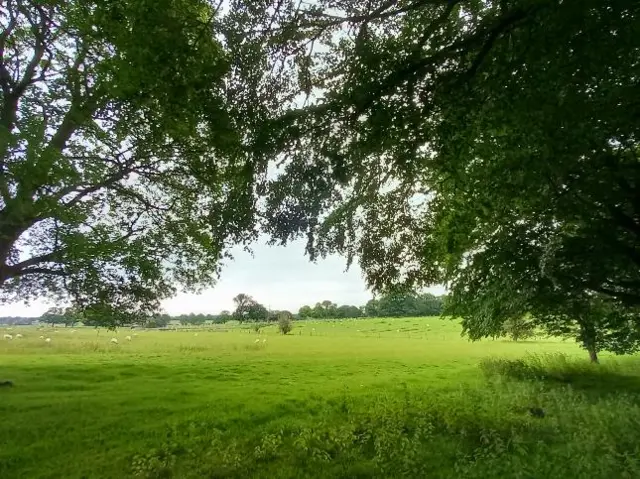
256,341
8,336
114,340
264,340
196,335
128,338
48,340
19,335
73,331
41,337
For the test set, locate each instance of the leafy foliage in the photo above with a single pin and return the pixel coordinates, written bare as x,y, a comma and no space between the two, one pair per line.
122,167
519,328
492,146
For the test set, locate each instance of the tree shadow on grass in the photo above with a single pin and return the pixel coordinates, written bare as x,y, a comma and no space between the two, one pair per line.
594,380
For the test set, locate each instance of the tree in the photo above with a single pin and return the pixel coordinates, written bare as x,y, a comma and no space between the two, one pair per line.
248,309
411,160
53,316
224,316
305,312
285,324
122,166
371,308
348,311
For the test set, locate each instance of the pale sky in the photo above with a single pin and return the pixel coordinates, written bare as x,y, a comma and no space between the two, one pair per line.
278,277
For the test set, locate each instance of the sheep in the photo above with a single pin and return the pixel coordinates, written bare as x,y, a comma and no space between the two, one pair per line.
135,335
196,335
114,340
256,341
8,336
264,340
41,337
73,331
128,338
48,340
19,335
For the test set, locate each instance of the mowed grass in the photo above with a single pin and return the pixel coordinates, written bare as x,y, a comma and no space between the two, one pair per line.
357,398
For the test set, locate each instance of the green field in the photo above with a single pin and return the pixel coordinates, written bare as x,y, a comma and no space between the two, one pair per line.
353,398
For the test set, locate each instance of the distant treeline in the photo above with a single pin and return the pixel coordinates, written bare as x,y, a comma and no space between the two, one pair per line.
18,320
249,310
390,305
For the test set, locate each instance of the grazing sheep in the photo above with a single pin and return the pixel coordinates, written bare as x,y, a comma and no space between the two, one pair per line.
48,340
196,335
264,340
256,341
114,340
8,336
19,335
128,338
41,337
73,331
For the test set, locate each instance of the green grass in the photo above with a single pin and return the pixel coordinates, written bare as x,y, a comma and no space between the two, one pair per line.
366,398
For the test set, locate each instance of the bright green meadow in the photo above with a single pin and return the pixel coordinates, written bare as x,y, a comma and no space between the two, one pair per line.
345,399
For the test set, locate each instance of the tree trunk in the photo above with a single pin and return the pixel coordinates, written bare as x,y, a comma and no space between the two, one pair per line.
588,337
593,355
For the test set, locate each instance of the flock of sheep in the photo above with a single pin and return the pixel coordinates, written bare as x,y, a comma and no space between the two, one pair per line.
10,337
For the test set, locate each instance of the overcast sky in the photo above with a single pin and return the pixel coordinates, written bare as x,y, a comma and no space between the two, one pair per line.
278,277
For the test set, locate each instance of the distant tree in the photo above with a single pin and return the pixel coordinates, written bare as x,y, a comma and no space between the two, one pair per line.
256,312
371,308
348,311
243,302
158,321
305,312
53,316
285,324
519,328
274,315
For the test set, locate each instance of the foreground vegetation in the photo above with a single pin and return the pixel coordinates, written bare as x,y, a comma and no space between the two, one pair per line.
366,398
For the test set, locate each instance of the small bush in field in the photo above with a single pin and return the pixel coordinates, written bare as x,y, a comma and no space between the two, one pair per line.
285,324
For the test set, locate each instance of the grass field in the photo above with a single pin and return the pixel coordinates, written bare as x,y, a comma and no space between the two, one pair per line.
364,398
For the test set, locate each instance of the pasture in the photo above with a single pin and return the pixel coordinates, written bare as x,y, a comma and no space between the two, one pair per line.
352,398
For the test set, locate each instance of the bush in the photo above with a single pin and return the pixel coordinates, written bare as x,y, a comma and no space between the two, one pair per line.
285,324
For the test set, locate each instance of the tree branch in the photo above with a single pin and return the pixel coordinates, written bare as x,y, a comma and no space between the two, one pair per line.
44,271
379,13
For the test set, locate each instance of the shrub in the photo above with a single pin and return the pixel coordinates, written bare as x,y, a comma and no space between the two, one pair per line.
285,324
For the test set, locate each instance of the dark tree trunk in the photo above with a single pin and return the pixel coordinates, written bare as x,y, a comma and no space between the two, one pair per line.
588,337
593,355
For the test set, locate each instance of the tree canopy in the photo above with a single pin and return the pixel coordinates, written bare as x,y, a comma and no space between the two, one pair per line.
123,166
491,146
